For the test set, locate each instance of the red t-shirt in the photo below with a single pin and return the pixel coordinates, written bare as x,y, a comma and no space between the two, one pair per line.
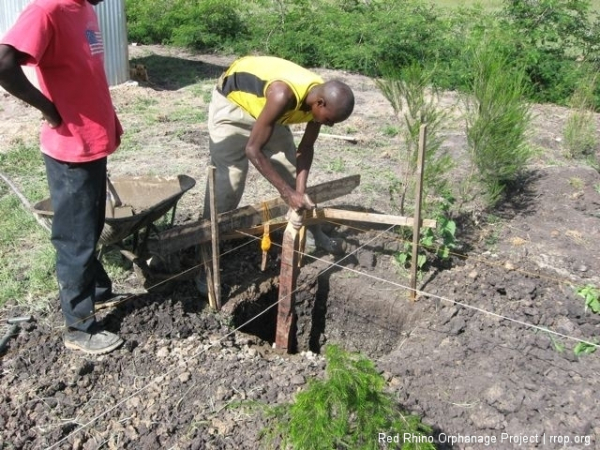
63,41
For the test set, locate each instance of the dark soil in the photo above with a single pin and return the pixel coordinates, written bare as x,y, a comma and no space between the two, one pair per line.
485,352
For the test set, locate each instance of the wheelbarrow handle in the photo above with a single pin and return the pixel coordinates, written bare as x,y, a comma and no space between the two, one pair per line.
12,331
114,198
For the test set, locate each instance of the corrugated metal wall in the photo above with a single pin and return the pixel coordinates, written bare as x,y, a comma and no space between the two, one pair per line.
111,14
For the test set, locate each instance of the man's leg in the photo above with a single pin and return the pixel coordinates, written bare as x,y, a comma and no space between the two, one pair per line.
229,128
78,193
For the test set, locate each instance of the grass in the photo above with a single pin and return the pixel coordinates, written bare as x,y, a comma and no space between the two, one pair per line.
337,165
391,130
26,255
576,183
27,258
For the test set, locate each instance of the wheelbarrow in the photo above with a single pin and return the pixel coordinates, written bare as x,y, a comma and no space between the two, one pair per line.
133,204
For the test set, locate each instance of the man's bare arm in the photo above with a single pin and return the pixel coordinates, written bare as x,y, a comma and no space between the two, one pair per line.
14,81
279,100
305,153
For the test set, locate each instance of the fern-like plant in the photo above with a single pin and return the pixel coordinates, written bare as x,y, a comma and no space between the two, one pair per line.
347,410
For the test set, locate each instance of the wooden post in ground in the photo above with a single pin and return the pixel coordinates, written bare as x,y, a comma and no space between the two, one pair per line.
301,244
287,288
208,268
417,218
216,275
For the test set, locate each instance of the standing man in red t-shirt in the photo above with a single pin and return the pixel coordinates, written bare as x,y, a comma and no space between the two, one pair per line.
62,39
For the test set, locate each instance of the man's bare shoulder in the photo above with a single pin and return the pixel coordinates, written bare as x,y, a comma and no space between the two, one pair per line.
279,92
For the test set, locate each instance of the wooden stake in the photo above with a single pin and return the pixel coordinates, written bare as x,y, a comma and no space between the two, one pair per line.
216,275
301,245
206,261
417,218
287,288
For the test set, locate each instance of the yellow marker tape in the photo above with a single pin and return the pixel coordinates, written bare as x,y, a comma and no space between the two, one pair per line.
265,242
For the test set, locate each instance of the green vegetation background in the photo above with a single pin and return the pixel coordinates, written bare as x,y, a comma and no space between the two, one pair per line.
555,42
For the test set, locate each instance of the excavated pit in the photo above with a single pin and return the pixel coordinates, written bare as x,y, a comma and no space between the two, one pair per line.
332,306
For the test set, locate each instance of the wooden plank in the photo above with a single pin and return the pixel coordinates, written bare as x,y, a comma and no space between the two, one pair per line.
350,139
357,216
323,214
185,236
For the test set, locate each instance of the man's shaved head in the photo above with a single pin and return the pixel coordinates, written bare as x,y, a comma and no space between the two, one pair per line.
339,98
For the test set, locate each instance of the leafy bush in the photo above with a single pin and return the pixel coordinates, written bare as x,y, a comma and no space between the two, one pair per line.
552,34
591,294
435,242
147,21
204,25
545,38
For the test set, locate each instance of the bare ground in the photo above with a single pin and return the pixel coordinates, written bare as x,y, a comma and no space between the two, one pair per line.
485,352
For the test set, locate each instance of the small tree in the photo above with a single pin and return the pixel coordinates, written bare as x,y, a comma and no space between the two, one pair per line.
581,135
414,101
497,120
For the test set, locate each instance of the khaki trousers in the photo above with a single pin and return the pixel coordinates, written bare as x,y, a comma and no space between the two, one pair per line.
229,128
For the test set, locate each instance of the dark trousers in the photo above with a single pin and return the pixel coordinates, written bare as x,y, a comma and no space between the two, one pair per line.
78,195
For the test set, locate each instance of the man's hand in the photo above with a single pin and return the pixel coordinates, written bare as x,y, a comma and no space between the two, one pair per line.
295,215
14,81
298,201
52,117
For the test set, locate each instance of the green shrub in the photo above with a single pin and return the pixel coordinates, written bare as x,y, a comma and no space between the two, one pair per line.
346,410
147,21
204,25
346,34
544,38
208,25
497,119
581,135
415,103
551,35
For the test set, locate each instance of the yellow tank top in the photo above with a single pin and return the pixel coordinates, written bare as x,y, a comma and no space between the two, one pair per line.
247,79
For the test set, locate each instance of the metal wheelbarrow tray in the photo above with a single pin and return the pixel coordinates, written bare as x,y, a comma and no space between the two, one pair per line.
143,201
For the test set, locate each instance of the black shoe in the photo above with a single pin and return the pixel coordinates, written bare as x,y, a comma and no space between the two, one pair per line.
110,300
95,343
317,239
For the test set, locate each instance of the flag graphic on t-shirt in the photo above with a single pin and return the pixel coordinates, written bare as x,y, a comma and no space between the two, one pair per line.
94,38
